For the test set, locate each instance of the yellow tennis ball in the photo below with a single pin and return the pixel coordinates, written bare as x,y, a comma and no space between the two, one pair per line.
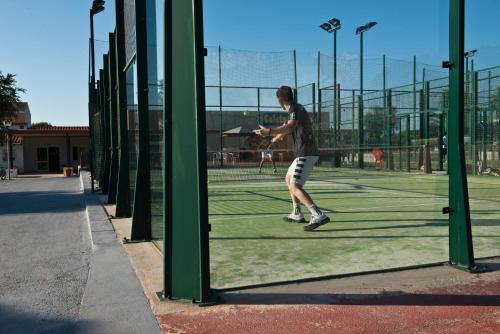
245,113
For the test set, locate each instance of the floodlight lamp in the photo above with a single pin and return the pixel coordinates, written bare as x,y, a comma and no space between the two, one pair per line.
335,23
370,25
7,124
97,6
366,27
326,27
470,53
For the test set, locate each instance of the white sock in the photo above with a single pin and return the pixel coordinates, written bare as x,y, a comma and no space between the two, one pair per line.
315,211
296,208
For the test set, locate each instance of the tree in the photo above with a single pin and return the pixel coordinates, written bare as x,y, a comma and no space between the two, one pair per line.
9,96
41,125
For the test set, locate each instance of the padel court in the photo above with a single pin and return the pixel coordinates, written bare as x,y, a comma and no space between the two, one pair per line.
409,152
380,220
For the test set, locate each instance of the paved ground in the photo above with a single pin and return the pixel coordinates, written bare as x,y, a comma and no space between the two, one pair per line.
58,274
44,254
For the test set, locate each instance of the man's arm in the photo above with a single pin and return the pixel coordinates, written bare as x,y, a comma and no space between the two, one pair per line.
285,129
277,138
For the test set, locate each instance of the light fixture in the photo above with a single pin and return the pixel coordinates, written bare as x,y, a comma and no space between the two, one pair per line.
97,6
335,23
366,27
470,53
326,27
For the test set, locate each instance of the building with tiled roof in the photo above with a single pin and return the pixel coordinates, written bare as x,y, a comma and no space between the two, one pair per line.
44,149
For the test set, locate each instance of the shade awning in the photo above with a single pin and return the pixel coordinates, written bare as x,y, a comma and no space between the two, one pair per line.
240,131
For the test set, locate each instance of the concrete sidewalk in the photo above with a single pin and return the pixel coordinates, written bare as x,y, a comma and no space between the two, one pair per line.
58,274
113,296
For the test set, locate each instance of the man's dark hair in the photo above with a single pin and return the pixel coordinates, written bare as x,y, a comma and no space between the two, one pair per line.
285,94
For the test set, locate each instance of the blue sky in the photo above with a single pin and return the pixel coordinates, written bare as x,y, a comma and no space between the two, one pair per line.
47,44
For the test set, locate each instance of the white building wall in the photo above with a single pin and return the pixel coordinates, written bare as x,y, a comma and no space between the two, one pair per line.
17,157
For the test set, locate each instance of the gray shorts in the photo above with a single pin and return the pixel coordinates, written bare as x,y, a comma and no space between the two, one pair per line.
300,168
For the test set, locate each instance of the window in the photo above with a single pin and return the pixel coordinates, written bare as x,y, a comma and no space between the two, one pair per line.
42,159
75,153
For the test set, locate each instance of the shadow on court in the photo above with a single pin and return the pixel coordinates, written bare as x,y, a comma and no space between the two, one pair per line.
50,201
17,321
388,298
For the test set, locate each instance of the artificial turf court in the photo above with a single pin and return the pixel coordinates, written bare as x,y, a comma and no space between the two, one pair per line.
380,220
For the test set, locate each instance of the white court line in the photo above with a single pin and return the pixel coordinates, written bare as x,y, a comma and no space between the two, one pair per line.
341,211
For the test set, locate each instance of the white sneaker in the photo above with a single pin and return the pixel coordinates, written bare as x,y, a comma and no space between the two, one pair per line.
316,221
295,218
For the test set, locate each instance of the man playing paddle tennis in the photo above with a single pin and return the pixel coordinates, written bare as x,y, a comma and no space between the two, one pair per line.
304,148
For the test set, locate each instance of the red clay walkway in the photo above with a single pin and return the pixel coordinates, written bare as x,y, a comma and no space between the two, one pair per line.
432,300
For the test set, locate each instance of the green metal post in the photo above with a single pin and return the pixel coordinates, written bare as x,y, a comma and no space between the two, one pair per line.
141,213
187,274
440,141
318,119
426,112
408,144
400,143
385,105
473,124
113,108
123,190
419,155
460,242
258,105
102,129
353,140
388,121
221,130
106,130
295,71
313,101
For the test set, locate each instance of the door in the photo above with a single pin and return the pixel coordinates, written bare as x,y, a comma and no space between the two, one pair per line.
54,159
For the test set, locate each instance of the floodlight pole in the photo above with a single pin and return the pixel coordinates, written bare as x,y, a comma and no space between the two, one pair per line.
97,7
336,126
360,31
360,107
91,96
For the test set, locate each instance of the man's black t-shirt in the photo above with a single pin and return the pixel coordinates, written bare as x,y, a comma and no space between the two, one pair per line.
302,133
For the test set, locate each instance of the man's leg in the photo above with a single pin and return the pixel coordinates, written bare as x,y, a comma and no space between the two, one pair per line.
299,177
296,215
261,163
300,194
292,195
274,165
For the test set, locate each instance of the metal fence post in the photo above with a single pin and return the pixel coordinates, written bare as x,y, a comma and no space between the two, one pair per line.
388,121
460,240
408,144
141,213
473,108
107,136
186,254
123,190
113,108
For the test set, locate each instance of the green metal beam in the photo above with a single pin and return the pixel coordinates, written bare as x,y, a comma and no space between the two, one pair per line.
460,240
187,274
123,189
113,121
106,128
102,132
388,120
473,110
141,213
